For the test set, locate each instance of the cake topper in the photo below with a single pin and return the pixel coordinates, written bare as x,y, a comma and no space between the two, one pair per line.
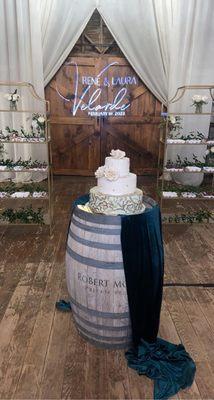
118,154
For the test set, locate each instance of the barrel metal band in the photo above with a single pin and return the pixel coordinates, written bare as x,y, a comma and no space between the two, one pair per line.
99,218
100,231
103,337
99,326
103,345
96,245
96,313
90,262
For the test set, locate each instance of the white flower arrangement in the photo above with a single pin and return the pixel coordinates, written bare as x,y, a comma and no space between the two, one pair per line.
192,168
38,122
111,174
170,194
172,119
117,154
198,102
108,173
188,195
13,99
199,99
175,141
100,172
173,122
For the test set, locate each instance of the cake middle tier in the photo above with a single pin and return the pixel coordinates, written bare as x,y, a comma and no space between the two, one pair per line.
123,185
121,165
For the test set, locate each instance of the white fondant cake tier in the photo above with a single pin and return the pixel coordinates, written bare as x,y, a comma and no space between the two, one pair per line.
115,205
121,165
122,186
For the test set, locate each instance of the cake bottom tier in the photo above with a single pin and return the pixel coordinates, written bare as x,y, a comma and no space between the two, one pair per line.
114,205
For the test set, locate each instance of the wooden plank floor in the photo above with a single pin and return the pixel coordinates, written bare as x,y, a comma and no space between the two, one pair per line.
41,354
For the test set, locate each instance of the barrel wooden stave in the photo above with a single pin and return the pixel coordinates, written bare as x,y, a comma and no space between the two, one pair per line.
96,280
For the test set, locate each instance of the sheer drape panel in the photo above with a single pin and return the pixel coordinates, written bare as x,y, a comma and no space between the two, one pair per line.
142,29
62,22
21,60
191,63
191,44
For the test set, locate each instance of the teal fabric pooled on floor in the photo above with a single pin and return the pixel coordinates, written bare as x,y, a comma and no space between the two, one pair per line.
168,364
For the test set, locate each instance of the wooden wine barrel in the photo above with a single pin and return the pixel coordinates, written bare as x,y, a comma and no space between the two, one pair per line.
96,280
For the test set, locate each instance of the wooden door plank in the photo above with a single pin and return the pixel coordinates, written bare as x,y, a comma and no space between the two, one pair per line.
136,147
72,120
139,91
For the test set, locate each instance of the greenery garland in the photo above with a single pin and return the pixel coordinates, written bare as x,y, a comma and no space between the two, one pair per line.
26,215
11,188
191,136
172,121
189,217
37,131
179,163
27,164
1,149
188,189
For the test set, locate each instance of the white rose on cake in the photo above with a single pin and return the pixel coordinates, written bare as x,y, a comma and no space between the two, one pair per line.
117,153
111,174
100,172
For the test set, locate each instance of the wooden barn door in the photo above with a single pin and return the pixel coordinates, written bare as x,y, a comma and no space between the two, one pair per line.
81,141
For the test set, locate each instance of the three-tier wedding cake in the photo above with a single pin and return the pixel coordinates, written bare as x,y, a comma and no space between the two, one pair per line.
116,191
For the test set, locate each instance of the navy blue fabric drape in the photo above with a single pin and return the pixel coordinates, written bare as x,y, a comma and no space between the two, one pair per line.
142,248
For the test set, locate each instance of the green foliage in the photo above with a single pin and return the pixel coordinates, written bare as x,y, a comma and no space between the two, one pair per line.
190,217
26,164
26,215
166,121
11,187
191,136
184,188
179,163
1,149
36,133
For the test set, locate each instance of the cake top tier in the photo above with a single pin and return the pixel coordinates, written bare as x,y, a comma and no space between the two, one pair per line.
117,165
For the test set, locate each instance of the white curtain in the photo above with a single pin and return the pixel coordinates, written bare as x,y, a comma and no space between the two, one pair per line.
62,22
169,43
191,62
21,60
142,30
